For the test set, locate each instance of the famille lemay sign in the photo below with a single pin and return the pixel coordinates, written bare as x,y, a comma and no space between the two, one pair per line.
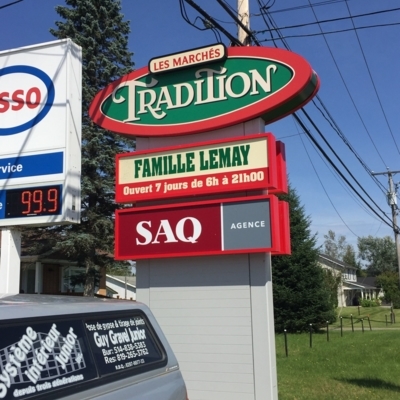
246,83
245,163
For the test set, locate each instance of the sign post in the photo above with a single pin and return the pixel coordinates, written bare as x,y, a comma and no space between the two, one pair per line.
10,260
204,266
40,144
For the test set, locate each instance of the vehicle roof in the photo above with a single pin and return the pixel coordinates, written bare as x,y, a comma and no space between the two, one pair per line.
36,305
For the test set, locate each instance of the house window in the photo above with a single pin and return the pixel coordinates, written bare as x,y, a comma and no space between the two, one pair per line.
71,279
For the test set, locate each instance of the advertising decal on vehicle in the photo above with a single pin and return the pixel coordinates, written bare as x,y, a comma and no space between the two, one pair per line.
39,358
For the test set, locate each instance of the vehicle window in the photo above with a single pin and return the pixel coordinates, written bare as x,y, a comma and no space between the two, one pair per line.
122,343
38,358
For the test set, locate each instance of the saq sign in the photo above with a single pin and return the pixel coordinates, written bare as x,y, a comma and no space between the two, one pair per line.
242,225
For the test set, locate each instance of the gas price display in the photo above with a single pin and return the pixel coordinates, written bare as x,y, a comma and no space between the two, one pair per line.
32,202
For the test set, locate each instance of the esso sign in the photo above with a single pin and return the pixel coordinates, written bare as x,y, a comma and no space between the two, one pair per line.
19,99
187,230
26,96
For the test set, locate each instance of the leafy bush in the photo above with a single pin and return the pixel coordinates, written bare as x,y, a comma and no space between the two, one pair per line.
396,301
370,303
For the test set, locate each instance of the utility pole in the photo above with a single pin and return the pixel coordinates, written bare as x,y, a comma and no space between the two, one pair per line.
392,201
244,17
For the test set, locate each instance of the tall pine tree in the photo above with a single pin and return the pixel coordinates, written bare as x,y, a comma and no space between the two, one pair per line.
98,27
301,294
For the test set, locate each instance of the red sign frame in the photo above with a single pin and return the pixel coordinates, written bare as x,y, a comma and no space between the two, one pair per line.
135,240
188,185
294,95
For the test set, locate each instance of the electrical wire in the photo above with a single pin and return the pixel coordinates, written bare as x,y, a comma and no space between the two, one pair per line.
333,32
324,153
261,6
335,126
324,189
215,24
373,82
238,21
331,20
315,143
347,89
337,129
10,4
264,7
322,3
345,188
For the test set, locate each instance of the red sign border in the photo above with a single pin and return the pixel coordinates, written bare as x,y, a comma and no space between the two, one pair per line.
278,237
298,87
273,171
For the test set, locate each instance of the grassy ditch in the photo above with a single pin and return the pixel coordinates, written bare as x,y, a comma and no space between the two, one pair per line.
353,366
377,317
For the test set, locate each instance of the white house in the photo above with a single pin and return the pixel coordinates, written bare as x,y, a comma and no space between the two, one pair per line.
121,287
351,287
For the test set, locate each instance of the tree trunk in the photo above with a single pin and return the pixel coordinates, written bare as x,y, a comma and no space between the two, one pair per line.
89,281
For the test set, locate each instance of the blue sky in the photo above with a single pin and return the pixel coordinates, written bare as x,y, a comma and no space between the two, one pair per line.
360,86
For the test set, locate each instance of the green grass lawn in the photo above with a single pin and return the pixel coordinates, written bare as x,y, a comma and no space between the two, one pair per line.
353,366
377,316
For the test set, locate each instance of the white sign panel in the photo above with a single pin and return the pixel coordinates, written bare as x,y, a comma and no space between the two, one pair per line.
40,134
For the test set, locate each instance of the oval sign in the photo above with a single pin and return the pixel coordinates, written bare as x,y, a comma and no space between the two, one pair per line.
251,82
28,100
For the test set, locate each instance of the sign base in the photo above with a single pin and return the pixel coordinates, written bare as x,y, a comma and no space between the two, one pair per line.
217,314
10,261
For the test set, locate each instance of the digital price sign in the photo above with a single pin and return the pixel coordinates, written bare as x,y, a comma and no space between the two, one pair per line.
39,205
32,202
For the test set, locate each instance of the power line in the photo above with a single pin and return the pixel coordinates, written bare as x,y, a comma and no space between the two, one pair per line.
322,3
337,170
262,7
336,176
333,32
331,20
238,21
373,83
324,189
215,24
11,4
330,147
347,89
332,122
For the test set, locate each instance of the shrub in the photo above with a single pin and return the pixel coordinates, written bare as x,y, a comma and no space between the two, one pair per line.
370,302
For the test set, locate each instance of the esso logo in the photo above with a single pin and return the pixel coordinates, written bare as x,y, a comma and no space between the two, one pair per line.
26,96
19,99
165,233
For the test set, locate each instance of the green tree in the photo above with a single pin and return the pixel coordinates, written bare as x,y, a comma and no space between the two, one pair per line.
379,254
389,282
334,246
302,292
98,27
349,256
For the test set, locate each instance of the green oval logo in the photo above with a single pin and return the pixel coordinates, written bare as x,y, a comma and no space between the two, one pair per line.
251,82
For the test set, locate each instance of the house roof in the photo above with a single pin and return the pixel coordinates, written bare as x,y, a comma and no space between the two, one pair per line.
130,280
323,258
367,280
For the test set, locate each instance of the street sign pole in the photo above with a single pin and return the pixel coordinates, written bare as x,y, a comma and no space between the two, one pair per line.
10,260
